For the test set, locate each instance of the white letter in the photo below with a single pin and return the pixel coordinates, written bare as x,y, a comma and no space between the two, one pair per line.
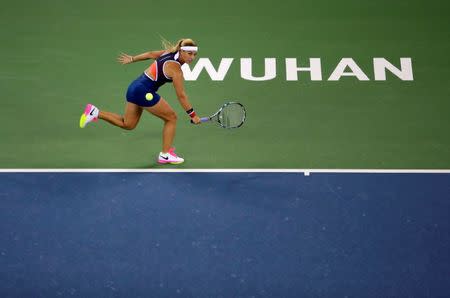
405,73
315,69
355,71
218,75
270,69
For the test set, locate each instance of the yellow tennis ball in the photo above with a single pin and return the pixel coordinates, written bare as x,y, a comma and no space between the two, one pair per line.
148,96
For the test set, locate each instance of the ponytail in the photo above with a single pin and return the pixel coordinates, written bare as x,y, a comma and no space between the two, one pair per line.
171,48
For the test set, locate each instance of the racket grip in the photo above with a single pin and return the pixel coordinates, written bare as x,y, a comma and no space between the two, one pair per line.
204,119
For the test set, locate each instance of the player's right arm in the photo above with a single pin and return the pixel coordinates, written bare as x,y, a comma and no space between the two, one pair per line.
127,59
174,71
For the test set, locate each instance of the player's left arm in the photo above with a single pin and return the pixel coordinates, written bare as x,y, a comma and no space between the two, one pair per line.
127,59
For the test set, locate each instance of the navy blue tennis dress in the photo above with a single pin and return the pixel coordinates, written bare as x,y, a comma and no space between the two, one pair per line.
142,91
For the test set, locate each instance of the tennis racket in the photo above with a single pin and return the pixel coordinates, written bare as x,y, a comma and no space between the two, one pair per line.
230,115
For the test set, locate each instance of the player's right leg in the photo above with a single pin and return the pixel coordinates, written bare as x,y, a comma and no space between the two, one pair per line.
128,121
90,114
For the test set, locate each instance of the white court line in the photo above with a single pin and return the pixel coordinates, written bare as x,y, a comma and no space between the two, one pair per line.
307,172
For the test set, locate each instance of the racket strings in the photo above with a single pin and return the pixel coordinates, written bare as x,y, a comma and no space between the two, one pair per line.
232,115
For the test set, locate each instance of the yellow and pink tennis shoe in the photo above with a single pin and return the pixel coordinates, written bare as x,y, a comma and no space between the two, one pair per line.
90,114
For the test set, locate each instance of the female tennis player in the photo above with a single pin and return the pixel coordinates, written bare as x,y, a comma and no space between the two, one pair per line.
142,94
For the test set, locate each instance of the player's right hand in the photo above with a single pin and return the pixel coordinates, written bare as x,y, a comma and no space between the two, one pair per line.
196,120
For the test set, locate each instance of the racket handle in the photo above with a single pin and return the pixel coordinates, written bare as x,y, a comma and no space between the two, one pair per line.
204,119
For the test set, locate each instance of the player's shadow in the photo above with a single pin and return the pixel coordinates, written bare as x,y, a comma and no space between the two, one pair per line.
155,165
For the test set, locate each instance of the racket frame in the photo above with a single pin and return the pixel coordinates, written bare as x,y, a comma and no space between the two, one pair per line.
216,115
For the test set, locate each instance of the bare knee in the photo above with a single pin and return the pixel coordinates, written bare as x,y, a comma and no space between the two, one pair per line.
172,117
129,125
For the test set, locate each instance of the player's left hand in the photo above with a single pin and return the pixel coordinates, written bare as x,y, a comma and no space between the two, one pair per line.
125,59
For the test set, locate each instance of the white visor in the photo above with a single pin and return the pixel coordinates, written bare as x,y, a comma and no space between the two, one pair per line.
189,48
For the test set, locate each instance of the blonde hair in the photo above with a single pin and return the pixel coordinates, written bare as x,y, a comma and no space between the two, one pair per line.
173,48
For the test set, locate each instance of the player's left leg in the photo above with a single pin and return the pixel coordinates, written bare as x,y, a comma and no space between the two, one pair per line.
165,112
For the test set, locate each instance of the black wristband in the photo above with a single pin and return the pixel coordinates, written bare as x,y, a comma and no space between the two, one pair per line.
190,111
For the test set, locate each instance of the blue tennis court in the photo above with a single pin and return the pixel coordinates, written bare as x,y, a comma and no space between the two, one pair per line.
224,235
